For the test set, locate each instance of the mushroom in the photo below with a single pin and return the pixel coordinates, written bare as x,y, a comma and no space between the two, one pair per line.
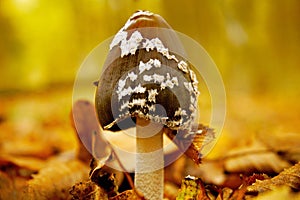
146,83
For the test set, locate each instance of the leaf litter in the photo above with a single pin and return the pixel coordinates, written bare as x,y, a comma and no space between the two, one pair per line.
267,167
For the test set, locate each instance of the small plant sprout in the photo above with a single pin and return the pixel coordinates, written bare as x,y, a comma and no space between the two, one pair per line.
146,83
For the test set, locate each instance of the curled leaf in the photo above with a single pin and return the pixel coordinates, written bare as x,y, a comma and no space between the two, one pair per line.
88,191
239,194
192,188
253,158
90,138
170,190
287,145
20,166
54,181
225,194
289,177
127,195
280,193
193,142
9,185
103,178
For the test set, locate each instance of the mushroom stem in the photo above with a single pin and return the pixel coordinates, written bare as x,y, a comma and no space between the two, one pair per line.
149,172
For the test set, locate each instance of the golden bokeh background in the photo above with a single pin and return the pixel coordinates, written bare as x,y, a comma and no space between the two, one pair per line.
255,44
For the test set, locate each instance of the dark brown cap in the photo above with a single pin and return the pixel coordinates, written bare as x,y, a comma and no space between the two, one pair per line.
146,75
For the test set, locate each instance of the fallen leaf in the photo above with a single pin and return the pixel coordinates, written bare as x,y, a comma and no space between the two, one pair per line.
239,194
280,193
88,191
175,172
103,177
191,143
31,164
9,187
289,177
225,194
55,180
91,141
255,157
287,145
14,174
170,190
192,188
31,147
126,195
210,171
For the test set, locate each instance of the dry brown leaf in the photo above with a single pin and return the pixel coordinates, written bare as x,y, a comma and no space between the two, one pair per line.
9,185
192,144
103,177
279,193
55,180
35,125
25,163
209,171
88,191
170,190
126,195
15,172
286,145
90,138
289,177
30,147
192,188
175,172
225,194
238,193
254,158
92,143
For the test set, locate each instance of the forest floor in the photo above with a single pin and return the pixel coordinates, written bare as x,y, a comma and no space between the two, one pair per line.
257,155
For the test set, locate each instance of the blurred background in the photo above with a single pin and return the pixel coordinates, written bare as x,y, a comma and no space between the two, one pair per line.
255,45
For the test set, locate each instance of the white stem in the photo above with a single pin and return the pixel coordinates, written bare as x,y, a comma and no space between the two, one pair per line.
149,172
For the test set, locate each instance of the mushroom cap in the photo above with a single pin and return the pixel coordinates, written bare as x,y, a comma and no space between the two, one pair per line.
146,76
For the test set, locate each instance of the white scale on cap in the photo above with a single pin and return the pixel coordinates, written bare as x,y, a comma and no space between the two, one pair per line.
129,46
